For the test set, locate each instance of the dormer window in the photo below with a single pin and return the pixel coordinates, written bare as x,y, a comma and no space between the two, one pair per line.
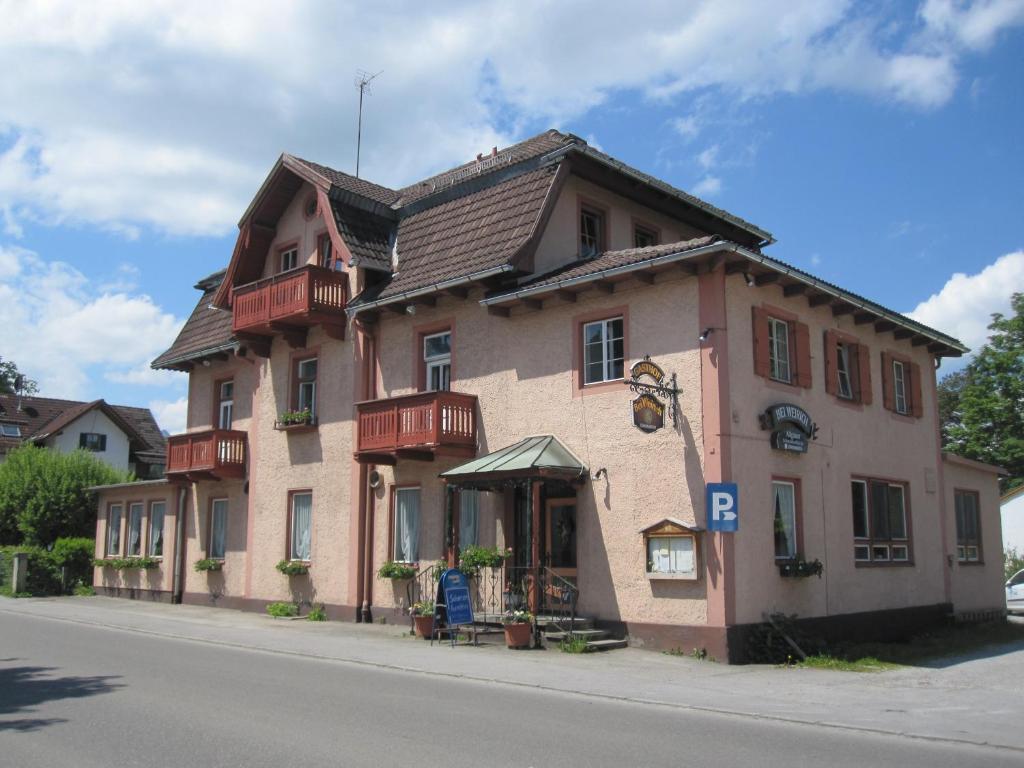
644,237
289,259
591,231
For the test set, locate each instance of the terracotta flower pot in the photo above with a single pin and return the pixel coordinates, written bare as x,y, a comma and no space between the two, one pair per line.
518,635
423,626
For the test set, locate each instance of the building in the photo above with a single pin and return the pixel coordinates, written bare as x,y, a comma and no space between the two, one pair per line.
547,350
124,437
1011,510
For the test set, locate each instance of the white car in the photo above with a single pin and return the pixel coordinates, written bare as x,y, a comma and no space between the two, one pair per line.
1015,593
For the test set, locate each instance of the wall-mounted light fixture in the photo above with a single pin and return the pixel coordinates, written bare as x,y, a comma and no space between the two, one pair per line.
704,335
411,309
602,472
749,278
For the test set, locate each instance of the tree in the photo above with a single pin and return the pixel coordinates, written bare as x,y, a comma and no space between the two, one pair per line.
983,410
9,376
44,496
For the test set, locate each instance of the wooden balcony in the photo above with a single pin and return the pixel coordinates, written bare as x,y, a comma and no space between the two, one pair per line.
214,454
290,303
417,426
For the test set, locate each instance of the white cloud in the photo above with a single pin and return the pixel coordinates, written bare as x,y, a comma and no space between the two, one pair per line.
63,331
168,114
708,186
170,415
708,157
964,306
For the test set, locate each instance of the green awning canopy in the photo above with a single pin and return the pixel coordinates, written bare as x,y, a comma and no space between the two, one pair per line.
533,458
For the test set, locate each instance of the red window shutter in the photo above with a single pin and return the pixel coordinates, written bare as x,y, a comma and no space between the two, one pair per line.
760,320
803,355
831,363
864,373
887,393
916,405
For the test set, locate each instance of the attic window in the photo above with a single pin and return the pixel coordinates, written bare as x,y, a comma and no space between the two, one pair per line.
310,209
92,441
10,430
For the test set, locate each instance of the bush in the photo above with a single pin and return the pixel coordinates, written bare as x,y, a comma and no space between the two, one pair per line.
75,557
1013,561
317,613
43,573
282,610
43,494
473,558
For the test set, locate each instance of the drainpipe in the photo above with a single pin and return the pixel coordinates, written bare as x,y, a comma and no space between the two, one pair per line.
367,495
178,587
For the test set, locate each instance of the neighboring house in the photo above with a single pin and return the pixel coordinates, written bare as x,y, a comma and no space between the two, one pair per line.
1011,510
126,438
547,350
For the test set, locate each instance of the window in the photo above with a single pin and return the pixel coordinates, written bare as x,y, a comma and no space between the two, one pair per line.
218,528
324,250
671,550
114,530
469,518
437,359
10,430
591,231
92,441
289,259
844,362
968,528
156,529
301,532
226,404
305,386
644,237
407,525
135,529
847,368
782,348
880,529
603,351
899,383
785,525
778,350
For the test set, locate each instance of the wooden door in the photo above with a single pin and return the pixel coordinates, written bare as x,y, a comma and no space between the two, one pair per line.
560,538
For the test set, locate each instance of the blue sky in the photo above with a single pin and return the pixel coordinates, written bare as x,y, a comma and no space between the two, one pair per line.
879,142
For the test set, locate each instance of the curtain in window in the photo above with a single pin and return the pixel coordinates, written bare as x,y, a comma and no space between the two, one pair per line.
302,524
135,530
407,524
156,530
469,518
114,531
218,528
670,554
785,520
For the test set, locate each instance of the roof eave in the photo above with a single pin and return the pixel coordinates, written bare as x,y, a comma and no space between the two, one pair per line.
352,311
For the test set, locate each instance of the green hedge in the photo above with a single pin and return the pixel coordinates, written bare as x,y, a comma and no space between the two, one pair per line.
74,555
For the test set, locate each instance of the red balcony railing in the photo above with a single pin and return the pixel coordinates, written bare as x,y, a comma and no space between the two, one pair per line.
219,452
304,296
426,420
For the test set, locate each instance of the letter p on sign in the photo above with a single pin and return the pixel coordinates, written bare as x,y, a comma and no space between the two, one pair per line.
723,507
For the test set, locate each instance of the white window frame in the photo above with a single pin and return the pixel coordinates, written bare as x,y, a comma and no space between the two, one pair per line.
114,530
226,410
844,377
289,259
792,513
305,395
779,361
293,553
222,506
156,533
133,523
606,346
413,556
899,387
438,365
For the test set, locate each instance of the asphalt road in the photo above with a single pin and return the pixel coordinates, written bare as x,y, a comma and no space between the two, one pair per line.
79,695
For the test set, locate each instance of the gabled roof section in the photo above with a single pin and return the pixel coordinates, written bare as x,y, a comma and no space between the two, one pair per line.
206,332
367,236
344,181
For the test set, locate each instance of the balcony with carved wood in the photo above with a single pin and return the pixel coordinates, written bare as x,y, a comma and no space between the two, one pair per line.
289,304
213,454
418,426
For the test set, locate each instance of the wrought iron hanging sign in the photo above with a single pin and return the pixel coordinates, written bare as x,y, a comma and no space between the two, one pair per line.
791,427
648,409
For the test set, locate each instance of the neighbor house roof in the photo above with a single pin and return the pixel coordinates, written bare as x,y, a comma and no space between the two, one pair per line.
42,417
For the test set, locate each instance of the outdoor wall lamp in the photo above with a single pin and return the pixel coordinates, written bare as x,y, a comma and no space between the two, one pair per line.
749,278
704,334
602,472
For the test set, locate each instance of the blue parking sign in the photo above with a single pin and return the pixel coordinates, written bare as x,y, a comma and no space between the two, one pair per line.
723,507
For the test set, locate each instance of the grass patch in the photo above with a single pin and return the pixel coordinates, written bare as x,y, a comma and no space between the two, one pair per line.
317,613
283,610
862,664
83,590
573,644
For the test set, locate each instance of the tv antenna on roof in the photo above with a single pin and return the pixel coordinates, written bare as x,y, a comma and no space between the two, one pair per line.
363,80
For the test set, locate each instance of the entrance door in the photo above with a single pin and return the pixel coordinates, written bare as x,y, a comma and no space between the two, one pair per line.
561,538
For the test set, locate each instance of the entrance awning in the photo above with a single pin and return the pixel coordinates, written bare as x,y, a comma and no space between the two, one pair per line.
537,457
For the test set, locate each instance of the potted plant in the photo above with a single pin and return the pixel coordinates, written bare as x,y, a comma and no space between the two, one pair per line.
396,571
423,618
518,628
293,567
208,564
473,558
798,567
290,419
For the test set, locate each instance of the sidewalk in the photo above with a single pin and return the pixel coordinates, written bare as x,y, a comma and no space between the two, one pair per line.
974,700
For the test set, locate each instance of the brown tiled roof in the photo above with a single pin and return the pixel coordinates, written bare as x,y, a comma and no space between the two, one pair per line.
345,181
40,417
367,236
467,235
206,329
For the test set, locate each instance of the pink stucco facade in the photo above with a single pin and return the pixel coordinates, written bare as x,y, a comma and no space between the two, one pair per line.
523,366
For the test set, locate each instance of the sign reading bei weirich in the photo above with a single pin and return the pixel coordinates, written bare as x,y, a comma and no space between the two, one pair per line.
791,427
648,409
